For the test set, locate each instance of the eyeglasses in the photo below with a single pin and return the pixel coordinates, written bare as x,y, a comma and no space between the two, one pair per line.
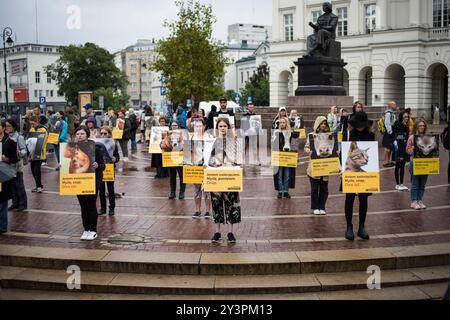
104,133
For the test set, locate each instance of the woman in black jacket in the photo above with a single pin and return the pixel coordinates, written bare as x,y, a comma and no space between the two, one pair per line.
126,134
401,135
361,131
9,156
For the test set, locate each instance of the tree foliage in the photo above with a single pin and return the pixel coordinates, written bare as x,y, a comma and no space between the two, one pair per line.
86,68
192,62
258,88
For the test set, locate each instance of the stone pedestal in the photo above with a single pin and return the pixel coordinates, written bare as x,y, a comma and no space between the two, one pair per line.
313,103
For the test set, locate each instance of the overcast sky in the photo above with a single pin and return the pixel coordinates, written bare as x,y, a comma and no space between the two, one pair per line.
116,24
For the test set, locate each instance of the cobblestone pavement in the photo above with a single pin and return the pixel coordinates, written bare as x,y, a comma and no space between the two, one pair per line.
147,220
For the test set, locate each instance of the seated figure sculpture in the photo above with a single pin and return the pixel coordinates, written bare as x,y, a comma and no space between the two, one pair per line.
325,32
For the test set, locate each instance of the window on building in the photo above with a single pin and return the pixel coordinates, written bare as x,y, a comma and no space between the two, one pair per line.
37,77
441,13
35,93
248,75
0,94
51,93
288,27
343,22
315,15
47,93
242,77
370,17
49,77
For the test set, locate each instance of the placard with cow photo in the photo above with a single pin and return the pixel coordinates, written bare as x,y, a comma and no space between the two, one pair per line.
251,125
360,167
426,155
324,156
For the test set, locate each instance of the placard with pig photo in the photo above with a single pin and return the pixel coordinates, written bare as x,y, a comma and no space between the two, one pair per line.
324,156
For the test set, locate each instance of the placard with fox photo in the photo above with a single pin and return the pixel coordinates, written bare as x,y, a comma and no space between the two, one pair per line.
324,156
426,155
360,167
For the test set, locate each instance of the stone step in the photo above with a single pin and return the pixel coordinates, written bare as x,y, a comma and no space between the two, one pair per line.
122,283
434,291
271,263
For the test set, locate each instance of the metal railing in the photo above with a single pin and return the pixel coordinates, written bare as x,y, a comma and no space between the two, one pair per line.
439,33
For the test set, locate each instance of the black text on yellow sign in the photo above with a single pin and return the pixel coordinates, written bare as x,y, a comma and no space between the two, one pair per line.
77,184
284,159
223,180
193,175
109,174
325,167
426,166
53,138
173,159
361,182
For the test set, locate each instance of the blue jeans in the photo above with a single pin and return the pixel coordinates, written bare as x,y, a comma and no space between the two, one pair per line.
3,216
283,179
418,184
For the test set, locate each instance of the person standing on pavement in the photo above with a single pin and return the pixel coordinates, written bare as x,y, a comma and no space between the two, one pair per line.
19,199
343,127
333,120
401,135
418,182
224,108
37,164
361,131
88,203
388,137
282,113
134,125
9,156
63,129
319,185
445,136
161,172
126,134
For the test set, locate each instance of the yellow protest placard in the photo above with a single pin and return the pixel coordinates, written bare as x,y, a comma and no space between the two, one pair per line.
109,174
426,166
340,136
117,134
53,138
361,182
223,180
302,133
325,167
173,159
284,159
77,184
193,175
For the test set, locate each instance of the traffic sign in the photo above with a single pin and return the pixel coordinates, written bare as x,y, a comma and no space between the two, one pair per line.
42,101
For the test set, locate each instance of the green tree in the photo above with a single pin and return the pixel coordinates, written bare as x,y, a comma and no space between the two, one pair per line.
258,87
86,68
112,98
193,63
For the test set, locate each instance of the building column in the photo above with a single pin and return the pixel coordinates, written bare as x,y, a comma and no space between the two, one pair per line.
416,95
378,87
299,21
382,11
353,90
414,12
354,17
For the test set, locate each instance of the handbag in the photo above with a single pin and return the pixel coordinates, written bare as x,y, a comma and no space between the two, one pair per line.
7,172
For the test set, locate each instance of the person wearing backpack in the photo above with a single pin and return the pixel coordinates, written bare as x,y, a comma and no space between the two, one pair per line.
388,134
19,195
134,126
445,136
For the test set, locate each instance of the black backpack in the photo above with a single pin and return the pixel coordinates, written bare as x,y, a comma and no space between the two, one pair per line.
446,138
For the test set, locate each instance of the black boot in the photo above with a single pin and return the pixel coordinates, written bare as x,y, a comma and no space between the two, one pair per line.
349,235
362,233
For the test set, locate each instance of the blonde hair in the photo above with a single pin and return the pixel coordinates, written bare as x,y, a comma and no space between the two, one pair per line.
288,123
107,129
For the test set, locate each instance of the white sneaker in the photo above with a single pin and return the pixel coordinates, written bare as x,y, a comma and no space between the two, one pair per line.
92,236
84,236
403,188
317,212
397,187
39,190
323,212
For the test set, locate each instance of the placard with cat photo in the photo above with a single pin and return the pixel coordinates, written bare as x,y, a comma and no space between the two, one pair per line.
360,167
324,156
156,138
77,174
426,155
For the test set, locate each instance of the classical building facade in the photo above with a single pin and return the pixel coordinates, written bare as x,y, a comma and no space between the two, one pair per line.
28,79
395,50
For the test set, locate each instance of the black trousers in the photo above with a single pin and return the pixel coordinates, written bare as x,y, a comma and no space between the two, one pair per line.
19,194
448,170
173,179
36,171
319,193
89,213
363,206
400,171
111,195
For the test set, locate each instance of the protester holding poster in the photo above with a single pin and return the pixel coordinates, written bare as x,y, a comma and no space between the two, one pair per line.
226,206
322,145
155,140
361,131
123,123
418,182
37,148
8,155
173,142
284,176
194,157
112,157
63,129
83,161
401,135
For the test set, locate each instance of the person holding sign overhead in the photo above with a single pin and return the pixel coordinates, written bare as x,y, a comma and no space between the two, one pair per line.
319,185
361,131
418,182
226,205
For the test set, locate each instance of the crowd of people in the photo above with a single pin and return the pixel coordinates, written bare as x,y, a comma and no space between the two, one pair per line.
221,207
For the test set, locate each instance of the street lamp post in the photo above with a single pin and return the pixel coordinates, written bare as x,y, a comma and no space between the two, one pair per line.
7,32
